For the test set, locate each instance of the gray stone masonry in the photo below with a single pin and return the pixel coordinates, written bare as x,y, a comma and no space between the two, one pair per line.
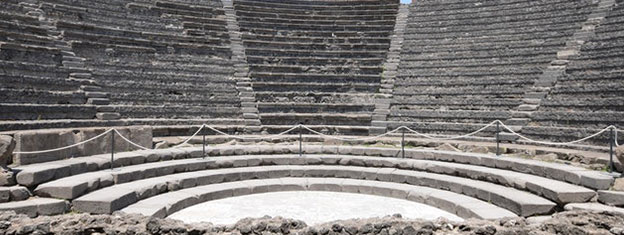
75,65
467,207
384,96
548,79
241,73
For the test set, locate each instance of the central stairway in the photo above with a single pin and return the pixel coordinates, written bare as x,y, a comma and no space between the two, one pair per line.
317,63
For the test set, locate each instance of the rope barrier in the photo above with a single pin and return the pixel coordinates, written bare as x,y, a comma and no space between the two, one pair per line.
253,138
189,139
66,147
451,137
351,139
130,142
339,138
553,143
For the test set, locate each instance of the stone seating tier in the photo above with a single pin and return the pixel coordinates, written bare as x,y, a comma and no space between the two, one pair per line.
451,202
470,16
304,40
306,61
313,87
314,97
467,7
522,186
321,6
178,111
119,196
20,111
592,81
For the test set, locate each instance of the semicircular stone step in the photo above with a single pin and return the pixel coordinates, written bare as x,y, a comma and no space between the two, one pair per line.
35,174
118,196
73,186
166,204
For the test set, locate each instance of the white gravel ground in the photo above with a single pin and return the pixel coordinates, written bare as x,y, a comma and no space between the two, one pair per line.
310,206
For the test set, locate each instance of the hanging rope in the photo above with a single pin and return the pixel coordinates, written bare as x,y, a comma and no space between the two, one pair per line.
66,147
615,140
189,139
253,138
451,137
553,143
350,139
616,131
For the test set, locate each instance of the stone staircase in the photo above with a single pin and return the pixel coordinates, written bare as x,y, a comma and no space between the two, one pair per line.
384,97
76,66
556,69
241,73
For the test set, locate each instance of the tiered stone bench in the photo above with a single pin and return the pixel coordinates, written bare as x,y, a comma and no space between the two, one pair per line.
464,62
153,59
167,204
519,186
314,62
34,83
588,96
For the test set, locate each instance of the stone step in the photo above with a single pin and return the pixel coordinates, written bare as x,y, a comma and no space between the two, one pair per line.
119,196
108,116
518,121
90,88
96,94
507,137
35,174
166,204
105,109
519,114
612,198
13,193
527,107
75,186
98,101
37,206
597,207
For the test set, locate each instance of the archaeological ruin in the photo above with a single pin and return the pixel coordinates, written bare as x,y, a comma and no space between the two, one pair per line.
506,114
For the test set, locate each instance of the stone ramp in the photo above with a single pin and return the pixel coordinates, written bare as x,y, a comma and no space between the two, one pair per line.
33,175
74,186
119,196
169,203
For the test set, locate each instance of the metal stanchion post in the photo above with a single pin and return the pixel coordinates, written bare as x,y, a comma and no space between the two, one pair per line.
611,141
204,145
112,149
300,140
497,139
402,143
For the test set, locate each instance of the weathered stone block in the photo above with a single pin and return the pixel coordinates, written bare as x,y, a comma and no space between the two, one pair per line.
51,139
7,145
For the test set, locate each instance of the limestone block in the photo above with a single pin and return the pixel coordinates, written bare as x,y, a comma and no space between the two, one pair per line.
28,207
7,145
105,202
49,206
43,140
19,193
613,198
5,194
7,177
52,139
